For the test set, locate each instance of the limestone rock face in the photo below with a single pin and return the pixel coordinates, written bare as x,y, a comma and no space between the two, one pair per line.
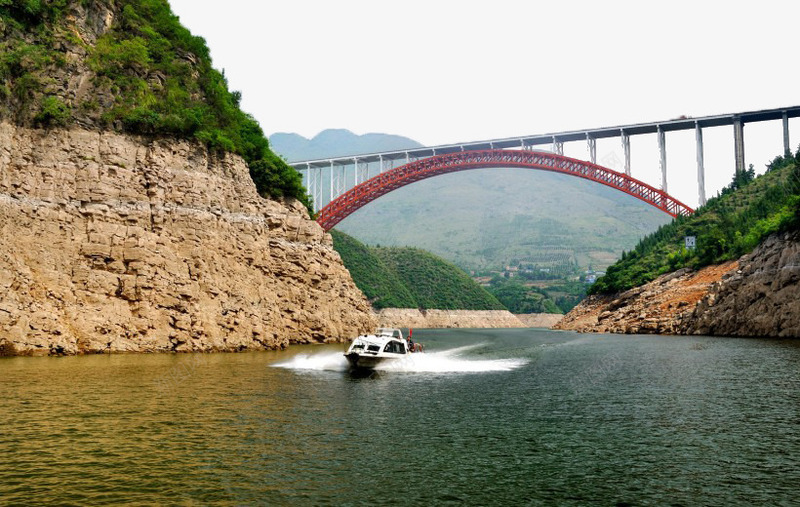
658,307
758,295
761,298
127,244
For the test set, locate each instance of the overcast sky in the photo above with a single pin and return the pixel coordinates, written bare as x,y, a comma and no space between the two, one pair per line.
444,71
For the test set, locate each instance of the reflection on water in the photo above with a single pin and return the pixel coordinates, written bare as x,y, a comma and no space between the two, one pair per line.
483,417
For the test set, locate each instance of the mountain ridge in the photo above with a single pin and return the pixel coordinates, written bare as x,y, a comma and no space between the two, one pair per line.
336,143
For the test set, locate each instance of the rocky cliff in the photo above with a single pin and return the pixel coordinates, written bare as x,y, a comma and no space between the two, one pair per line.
758,295
761,298
120,243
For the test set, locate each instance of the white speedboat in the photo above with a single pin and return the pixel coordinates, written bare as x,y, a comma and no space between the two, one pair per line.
368,351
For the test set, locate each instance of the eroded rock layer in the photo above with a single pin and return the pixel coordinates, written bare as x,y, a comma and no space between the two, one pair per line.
127,244
658,307
761,298
756,296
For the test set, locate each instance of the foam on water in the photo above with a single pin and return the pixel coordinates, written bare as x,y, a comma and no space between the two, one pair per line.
330,361
443,361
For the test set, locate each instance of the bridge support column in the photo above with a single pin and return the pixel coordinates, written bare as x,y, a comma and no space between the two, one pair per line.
337,181
626,150
738,144
701,175
662,149
591,144
787,147
306,174
558,146
308,182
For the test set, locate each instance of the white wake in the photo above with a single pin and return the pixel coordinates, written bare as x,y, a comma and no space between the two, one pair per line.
444,361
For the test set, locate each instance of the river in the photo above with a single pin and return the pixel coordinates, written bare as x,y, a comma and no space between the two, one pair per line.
484,417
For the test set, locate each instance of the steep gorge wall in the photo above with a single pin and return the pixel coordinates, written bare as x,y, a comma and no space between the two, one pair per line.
120,243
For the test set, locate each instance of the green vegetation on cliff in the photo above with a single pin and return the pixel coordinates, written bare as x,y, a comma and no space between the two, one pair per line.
397,277
727,227
143,74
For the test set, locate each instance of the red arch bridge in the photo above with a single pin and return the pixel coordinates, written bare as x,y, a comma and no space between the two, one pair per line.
364,193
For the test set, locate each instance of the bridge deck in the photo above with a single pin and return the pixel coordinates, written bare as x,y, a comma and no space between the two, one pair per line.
687,123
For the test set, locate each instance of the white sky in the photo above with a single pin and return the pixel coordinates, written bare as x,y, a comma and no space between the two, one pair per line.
443,72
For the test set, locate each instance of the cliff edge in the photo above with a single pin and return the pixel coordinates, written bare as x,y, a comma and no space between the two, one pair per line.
141,210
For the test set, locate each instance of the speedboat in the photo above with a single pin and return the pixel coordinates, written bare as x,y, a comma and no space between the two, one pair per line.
369,350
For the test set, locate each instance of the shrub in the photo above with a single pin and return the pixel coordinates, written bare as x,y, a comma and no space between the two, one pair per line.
53,113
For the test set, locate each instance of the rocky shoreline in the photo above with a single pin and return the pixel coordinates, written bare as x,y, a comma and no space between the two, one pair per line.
758,295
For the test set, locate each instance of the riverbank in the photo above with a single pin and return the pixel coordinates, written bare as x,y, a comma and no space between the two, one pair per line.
479,319
757,295
657,307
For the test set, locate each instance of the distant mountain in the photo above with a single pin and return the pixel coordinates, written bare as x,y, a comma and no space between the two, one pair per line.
336,143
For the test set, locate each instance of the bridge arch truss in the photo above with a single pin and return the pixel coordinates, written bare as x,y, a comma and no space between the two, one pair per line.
364,193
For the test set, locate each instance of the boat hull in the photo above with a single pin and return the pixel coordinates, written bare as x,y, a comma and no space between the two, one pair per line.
365,361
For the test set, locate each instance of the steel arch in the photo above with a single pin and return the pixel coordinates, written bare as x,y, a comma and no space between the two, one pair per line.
366,192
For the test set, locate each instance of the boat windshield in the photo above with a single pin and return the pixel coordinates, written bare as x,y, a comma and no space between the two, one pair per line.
395,347
387,332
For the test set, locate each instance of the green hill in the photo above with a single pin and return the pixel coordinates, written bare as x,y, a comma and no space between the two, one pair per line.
130,66
410,278
728,226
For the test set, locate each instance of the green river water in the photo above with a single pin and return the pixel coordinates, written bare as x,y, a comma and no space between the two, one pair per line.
484,417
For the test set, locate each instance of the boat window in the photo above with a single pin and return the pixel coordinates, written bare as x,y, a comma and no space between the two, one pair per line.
374,348
395,347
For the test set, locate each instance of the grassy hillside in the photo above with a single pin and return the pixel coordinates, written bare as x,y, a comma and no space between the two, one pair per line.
436,283
410,278
382,286
143,74
728,226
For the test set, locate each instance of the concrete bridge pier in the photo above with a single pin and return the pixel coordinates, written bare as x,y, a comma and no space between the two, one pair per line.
738,143
626,150
701,176
591,144
558,146
662,149
787,148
